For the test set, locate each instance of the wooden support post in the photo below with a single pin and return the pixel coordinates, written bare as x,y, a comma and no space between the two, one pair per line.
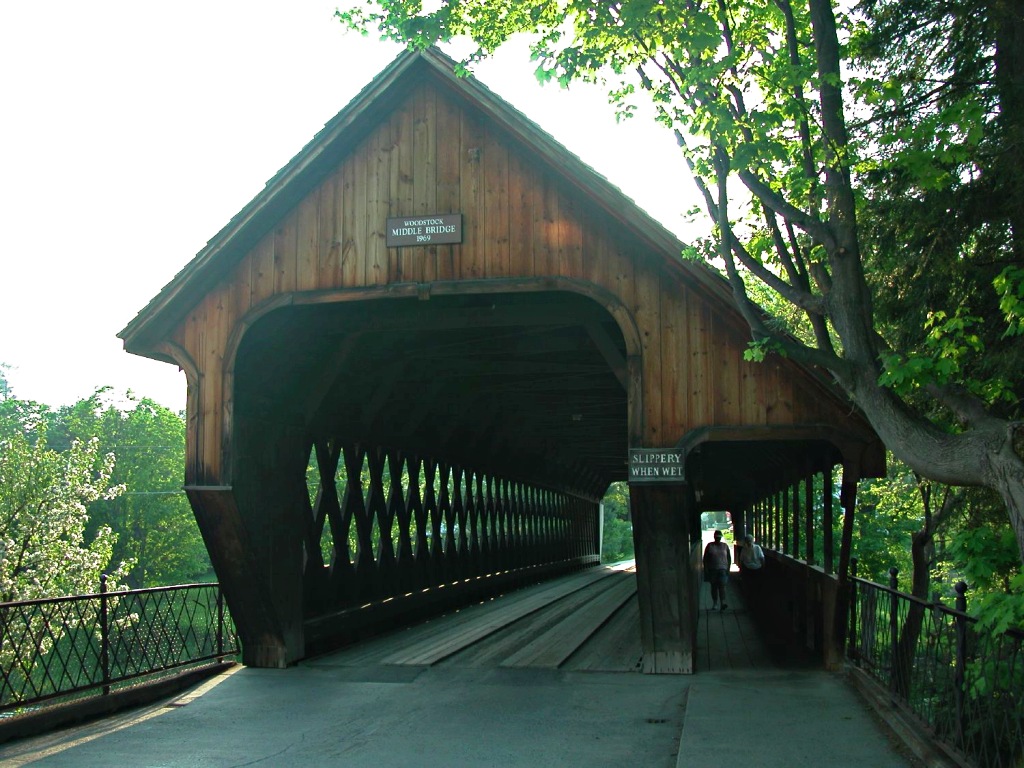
784,493
227,541
848,499
796,520
827,522
777,521
839,607
269,491
809,517
667,569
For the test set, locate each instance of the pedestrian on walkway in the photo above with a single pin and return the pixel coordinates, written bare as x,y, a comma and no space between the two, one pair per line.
751,555
717,560
751,562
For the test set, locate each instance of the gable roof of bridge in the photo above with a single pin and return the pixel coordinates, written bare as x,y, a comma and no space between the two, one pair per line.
342,134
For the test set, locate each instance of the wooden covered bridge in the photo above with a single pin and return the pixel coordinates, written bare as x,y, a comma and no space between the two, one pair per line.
459,335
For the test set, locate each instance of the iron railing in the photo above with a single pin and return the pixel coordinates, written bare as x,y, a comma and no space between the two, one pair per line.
966,685
57,647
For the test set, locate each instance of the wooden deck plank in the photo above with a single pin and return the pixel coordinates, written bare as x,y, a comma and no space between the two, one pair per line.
473,624
615,648
553,647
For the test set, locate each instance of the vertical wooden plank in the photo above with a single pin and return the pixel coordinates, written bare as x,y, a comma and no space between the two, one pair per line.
474,257
625,273
647,311
752,403
698,370
521,188
241,289
191,341
796,520
449,150
329,228
378,196
285,251
353,220
211,313
496,203
779,400
546,216
307,262
598,253
726,382
220,323
402,262
809,519
570,238
828,523
785,520
261,276
675,413
423,153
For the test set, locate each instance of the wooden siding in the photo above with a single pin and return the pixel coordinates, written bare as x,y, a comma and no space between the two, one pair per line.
435,154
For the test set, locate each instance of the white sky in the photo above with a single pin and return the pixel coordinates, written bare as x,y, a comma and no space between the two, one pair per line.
132,131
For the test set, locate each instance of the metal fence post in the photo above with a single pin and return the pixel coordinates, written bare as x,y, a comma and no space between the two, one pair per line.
104,636
851,652
220,622
961,659
894,671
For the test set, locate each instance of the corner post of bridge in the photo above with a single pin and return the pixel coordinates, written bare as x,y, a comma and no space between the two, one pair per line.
666,575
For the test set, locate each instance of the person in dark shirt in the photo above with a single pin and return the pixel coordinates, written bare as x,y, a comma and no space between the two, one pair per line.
717,560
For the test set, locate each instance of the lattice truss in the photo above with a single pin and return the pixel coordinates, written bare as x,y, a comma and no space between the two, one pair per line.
383,523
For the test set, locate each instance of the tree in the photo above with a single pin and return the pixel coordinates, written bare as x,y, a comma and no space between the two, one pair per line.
754,90
153,520
44,551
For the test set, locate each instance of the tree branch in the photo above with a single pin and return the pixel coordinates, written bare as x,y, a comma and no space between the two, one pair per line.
769,198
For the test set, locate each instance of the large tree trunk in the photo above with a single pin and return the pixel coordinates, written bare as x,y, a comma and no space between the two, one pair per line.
985,454
988,451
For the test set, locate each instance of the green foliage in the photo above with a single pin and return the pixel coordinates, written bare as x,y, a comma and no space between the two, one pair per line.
890,511
974,544
153,520
758,351
987,559
937,192
44,496
950,344
1009,284
104,471
617,541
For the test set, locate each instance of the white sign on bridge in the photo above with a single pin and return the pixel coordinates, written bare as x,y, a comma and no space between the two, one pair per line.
656,465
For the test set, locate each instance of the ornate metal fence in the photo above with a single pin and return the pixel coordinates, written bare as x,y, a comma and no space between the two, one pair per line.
965,685
88,643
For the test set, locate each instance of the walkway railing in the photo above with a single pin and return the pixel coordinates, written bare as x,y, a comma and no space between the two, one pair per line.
90,643
965,684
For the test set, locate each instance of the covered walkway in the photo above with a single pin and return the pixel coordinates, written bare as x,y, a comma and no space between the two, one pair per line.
544,676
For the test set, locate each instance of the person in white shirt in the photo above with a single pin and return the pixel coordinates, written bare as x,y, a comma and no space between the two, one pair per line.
751,561
751,555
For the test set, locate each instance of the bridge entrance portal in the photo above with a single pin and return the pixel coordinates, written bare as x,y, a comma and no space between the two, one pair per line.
417,359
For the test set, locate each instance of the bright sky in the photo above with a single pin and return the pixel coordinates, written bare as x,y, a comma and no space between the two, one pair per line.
131,132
